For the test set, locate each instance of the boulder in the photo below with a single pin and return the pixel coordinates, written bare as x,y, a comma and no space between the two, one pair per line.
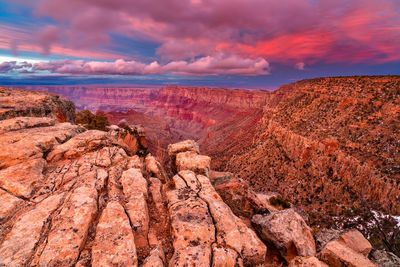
287,231
337,253
356,241
193,162
184,146
306,262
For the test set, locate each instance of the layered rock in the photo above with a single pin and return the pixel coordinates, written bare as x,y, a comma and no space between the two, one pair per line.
69,196
329,144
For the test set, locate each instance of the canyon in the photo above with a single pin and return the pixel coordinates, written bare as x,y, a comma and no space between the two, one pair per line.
329,146
76,197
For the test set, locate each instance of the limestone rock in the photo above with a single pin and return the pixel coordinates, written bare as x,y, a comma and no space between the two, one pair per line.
306,262
19,146
24,103
194,162
70,228
155,259
184,146
192,227
356,241
155,189
135,192
225,257
287,231
324,236
15,124
8,203
22,178
230,229
154,167
114,243
78,145
20,243
336,253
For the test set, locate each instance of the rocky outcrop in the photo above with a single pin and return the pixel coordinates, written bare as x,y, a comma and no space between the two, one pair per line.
24,103
329,145
288,232
76,197
348,249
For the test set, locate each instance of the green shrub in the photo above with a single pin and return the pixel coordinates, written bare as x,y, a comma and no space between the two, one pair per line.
92,121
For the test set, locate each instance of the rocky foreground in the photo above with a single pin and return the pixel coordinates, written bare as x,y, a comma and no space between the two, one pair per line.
76,197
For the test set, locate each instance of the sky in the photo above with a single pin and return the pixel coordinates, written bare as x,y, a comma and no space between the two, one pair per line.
231,43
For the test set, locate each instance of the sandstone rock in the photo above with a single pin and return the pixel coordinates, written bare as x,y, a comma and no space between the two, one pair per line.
19,244
356,241
114,244
78,145
306,262
22,178
70,228
19,103
336,253
194,162
155,259
225,257
192,227
154,167
324,236
231,230
155,189
18,146
385,259
184,146
135,192
19,123
135,162
287,231
8,203
238,194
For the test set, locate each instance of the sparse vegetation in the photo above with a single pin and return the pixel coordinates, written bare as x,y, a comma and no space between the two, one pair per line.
382,230
279,201
92,121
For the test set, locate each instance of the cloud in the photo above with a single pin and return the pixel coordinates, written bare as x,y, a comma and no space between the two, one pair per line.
286,31
8,66
218,64
300,65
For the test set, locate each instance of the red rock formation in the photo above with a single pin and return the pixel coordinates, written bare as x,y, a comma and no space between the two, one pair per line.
330,143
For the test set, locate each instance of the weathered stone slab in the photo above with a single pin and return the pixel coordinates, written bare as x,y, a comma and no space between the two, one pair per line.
114,244
287,231
19,244
21,179
134,187
70,228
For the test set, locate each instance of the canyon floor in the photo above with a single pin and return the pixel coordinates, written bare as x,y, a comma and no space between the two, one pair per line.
272,178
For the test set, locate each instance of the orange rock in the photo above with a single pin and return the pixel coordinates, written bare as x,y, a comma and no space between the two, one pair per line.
114,243
70,228
19,245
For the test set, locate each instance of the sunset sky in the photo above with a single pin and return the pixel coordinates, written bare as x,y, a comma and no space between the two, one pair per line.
233,43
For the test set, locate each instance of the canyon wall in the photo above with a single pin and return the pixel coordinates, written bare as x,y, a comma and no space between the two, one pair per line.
331,144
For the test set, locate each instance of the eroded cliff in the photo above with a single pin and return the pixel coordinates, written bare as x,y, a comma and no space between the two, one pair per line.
76,197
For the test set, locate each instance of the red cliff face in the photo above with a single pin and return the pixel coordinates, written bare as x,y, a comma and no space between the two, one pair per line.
329,145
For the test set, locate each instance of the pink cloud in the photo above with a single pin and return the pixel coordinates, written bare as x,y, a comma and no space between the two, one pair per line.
286,31
219,64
